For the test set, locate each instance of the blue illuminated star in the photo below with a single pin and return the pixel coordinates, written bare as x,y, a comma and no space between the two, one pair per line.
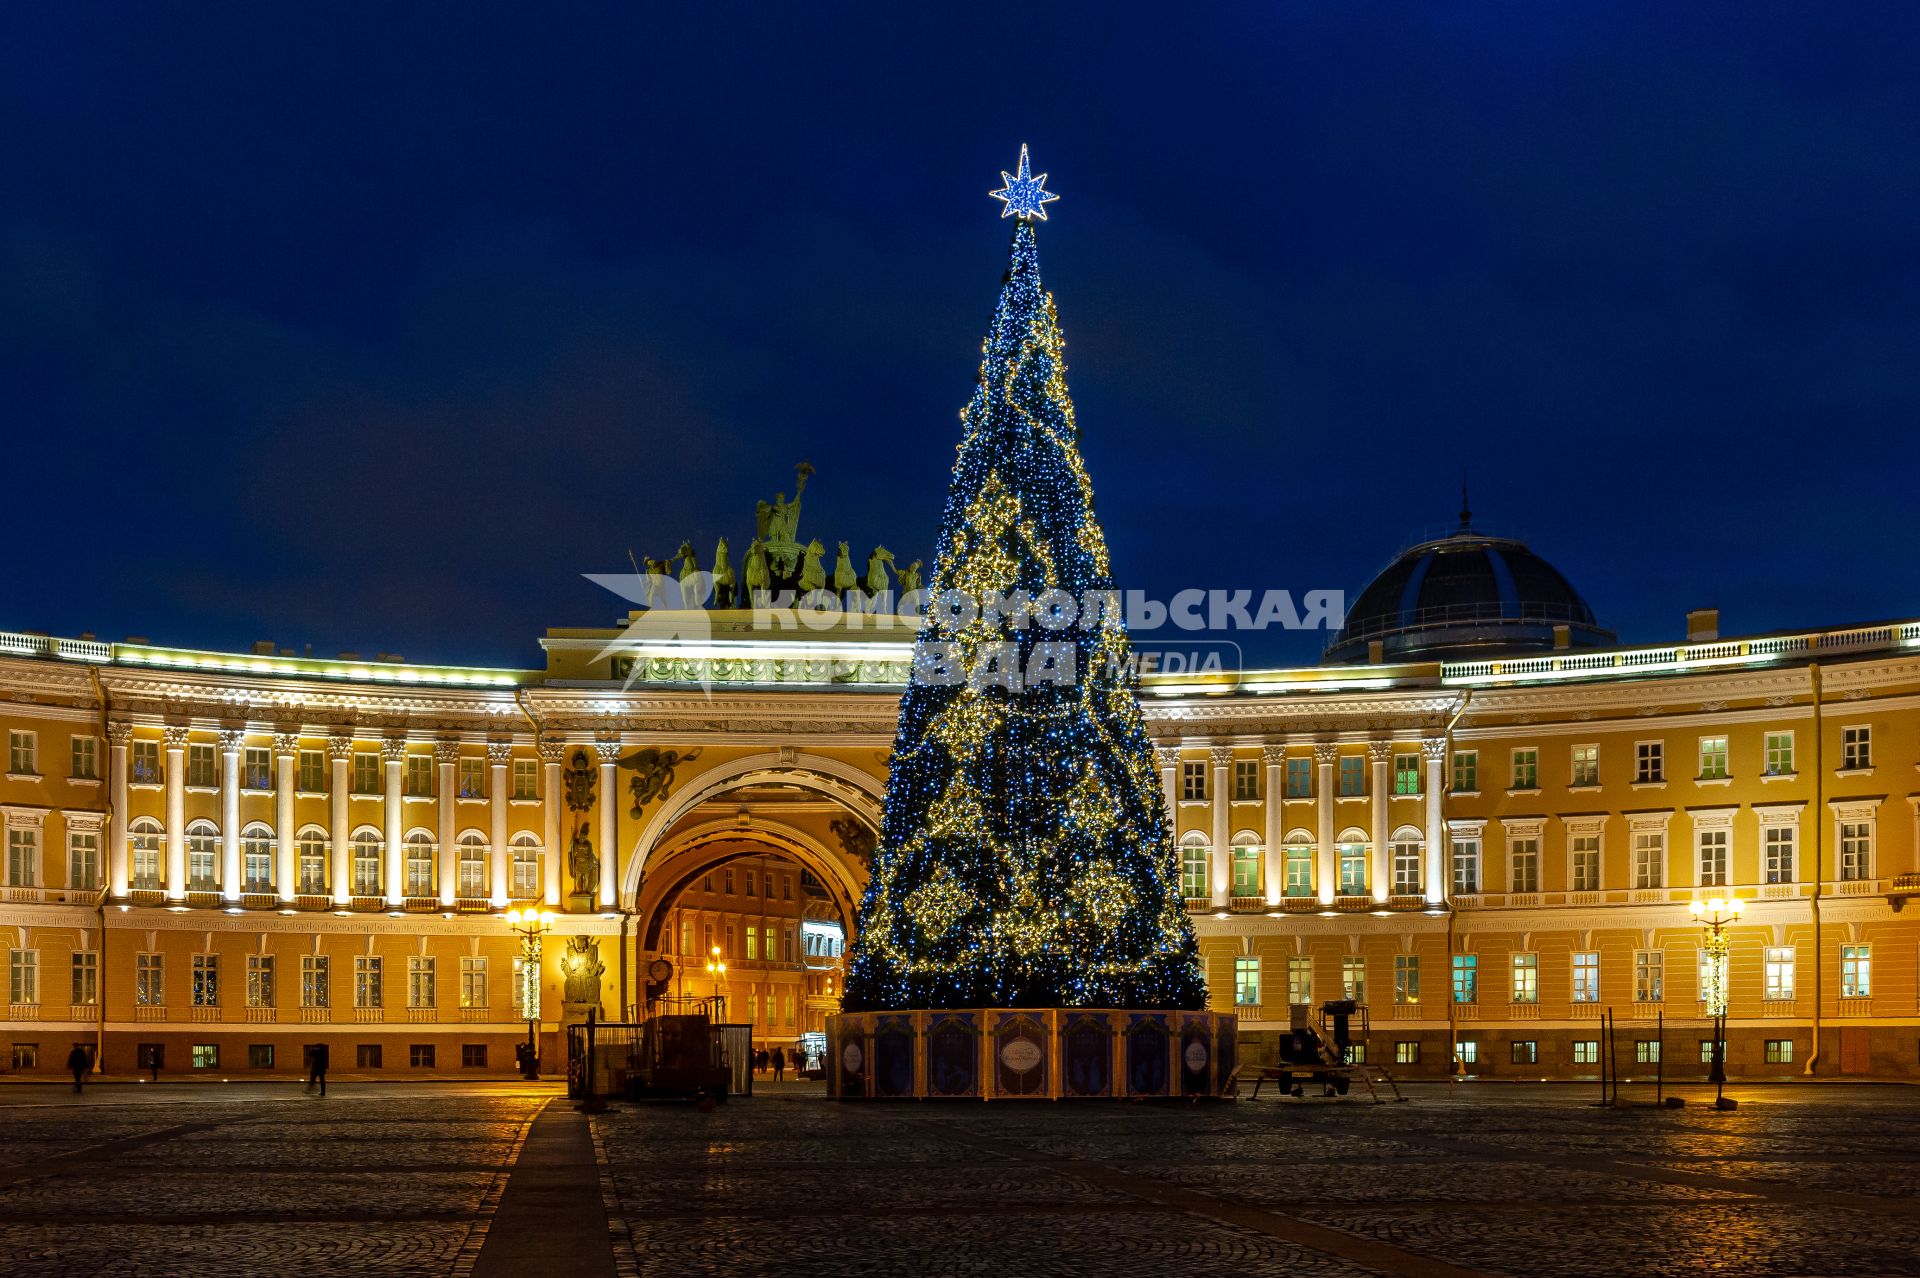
1024,195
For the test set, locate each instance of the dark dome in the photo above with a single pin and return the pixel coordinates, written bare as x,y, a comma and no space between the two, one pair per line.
1466,595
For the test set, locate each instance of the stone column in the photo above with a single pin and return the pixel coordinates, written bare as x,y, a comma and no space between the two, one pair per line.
609,820
119,870
230,884
551,801
1324,756
1380,754
1274,868
339,757
446,756
393,755
1434,751
286,869
1169,758
1222,759
176,740
499,755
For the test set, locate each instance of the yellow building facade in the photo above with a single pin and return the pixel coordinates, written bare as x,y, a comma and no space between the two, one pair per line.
225,858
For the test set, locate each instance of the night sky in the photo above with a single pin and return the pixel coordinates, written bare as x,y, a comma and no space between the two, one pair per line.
372,328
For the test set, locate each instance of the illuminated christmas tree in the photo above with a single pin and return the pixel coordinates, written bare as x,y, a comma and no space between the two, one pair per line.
1025,859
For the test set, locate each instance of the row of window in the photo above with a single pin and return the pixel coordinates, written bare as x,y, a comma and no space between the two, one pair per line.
1649,976
1649,766
1779,858
206,988
420,853
1586,1051
419,776
23,755
1245,864
760,883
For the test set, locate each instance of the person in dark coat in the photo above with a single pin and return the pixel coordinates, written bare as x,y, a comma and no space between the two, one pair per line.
79,1061
779,1065
317,1067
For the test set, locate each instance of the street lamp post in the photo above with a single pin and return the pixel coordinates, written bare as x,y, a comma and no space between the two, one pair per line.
717,973
1717,914
530,925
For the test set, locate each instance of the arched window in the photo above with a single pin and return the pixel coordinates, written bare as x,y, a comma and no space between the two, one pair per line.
473,865
203,857
144,838
367,847
310,849
1297,857
1246,864
526,867
1408,847
256,858
1194,855
1352,848
420,852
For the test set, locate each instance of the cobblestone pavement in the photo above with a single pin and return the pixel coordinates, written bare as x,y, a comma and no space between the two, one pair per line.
262,1180
1495,1180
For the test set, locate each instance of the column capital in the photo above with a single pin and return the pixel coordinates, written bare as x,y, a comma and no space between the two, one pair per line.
552,751
286,742
1274,754
1221,755
1435,749
393,749
340,745
119,733
501,752
447,751
1380,751
231,739
175,736
1325,752
609,750
1167,755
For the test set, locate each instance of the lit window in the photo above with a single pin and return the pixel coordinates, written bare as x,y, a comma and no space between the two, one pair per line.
1713,758
1246,981
1586,765
1406,978
316,986
471,777
85,990
260,980
143,766
1353,978
473,982
526,866
1646,1051
1779,1051
149,980
1299,865
1406,774
1406,1052
256,859
203,857
1246,869
256,768
144,845
310,850
206,980
1586,1051
366,863
1586,976
367,984
1649,976
1299,978
1779,754
470,866
1466,978
1526,977
1353,868
1856,971
1193,870
206,1056
1408,851
1525,1051
1466,1051
421,981
1779,972
23,976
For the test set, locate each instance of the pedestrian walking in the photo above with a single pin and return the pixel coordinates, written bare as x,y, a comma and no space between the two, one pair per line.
79,1060
317,1067
779,1065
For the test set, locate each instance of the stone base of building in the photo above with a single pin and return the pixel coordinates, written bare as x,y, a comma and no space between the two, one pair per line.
1025,1053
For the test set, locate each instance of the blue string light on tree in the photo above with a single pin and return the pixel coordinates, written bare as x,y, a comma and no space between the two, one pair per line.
1025,858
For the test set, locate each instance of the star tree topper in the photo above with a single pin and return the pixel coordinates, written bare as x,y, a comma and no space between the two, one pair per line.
1024,194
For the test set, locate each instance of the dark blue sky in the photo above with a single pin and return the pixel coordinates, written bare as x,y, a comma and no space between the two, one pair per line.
373,327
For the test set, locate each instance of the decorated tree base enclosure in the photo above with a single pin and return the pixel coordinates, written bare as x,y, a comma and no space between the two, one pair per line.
1030,1054
1023,934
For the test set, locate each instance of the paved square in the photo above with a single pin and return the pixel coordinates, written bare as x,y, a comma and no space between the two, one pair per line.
478,1180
